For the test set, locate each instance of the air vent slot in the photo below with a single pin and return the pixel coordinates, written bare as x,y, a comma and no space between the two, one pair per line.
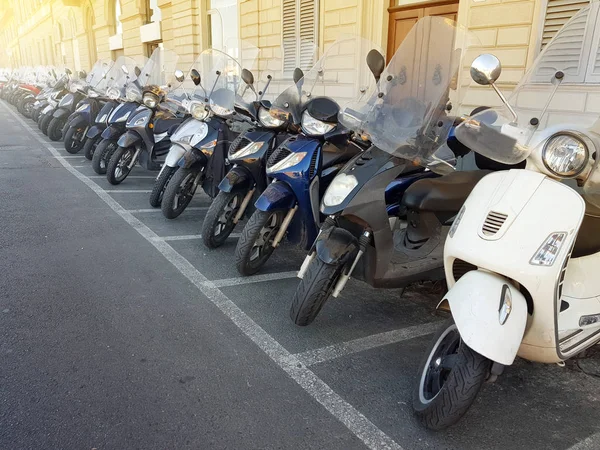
493,223
239,144
460,267
278,155
313,165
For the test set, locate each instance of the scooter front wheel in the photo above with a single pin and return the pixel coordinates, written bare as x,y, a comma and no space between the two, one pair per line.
449,380
161,183
118,166
44,122
179,193
90,146
74,139
102,155
218,223
314,290
55,128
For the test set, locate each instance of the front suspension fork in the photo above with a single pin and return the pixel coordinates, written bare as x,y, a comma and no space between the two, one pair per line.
244,205
364,240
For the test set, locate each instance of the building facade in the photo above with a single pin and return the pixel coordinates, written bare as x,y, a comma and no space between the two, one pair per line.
75,33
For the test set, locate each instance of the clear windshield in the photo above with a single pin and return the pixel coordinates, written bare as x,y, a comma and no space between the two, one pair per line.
408,116
557,90
97,78
340,74
159,70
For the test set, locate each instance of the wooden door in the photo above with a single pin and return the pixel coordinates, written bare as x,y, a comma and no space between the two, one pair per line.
403,18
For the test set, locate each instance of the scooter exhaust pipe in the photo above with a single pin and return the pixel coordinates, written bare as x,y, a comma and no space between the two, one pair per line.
341,283
244,205
284,226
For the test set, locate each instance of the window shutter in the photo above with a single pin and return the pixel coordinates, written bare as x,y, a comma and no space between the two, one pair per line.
299,34
558,12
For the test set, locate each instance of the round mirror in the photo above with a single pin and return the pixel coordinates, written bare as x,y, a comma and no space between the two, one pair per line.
486,69
247,77
195,76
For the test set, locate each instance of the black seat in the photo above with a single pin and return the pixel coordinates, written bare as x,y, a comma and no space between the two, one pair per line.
333,155
588,239
443,194
163,125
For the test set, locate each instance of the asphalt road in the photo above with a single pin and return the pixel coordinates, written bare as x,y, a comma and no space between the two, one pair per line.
119,330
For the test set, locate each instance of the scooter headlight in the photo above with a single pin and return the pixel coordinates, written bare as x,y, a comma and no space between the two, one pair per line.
249,149
113,93
151,100
289,161
198,110
314,127
267,120
339,189
133,94
219,110
565,155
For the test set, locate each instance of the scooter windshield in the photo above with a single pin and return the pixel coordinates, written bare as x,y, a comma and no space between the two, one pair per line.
340,74
159,70
222,78
120,75
556,93
97,78
408,115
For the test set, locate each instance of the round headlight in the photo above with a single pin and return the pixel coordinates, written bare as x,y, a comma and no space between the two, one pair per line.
565,155
314,127
113,93
133,94
339,189
267,120
219,110
150,100
198,111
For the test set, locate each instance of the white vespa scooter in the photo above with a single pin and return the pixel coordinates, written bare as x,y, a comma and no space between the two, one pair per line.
522,256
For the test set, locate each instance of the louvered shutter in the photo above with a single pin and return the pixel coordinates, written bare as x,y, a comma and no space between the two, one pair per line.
558,12
299,34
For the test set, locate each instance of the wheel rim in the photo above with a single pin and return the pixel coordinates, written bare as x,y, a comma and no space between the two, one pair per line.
440,364
185,192
27,108
264,242
104,157
225,219
122,170
76,139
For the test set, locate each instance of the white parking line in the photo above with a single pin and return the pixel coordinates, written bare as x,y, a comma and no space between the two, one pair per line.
70,157
590,443
126,191
254,279
335,351
129,177
353,419
153,210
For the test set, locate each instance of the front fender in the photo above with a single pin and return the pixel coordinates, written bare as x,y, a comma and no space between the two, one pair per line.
176,152
278,195
129,139
60,112
77,121
479,301
335,245
93,132
113,132
237,179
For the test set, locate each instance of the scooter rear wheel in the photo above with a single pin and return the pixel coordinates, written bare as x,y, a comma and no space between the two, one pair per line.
449,380
255,245
313,291
218,222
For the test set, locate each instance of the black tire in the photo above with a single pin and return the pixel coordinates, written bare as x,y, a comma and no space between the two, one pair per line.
26,105
178,193
446,390
74,142
255,245
313,291
160,185
44,123
116,170
55,127
35,115
90,146
102,155
218,222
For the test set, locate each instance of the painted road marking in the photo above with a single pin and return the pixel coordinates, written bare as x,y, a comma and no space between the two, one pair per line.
335,351
254,279
126,191
353,419
153,210
129,177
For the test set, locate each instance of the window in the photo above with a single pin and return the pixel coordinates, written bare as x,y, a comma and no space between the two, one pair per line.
558,12
221,12
153,13
299,34
118,24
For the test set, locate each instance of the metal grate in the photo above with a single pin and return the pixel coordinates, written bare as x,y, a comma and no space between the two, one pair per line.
278,155
239,144
460,267
493,223
313,165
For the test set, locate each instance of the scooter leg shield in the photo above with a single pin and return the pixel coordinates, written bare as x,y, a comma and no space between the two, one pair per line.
335,246
490,314
236,180
277,196
129,139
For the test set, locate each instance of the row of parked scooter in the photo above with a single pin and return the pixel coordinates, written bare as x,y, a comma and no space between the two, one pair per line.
356,162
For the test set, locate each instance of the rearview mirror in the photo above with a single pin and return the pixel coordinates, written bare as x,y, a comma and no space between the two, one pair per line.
82,74
68,71
125,69
179,76
376,63
486,69
137,71
247,77
298,75
195,76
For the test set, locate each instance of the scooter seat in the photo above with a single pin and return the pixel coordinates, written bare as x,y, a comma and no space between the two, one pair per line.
163,125
333,155
588,239
443,194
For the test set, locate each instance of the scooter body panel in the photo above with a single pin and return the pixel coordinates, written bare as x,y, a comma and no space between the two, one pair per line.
113,132
520,198
238,179
278,196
